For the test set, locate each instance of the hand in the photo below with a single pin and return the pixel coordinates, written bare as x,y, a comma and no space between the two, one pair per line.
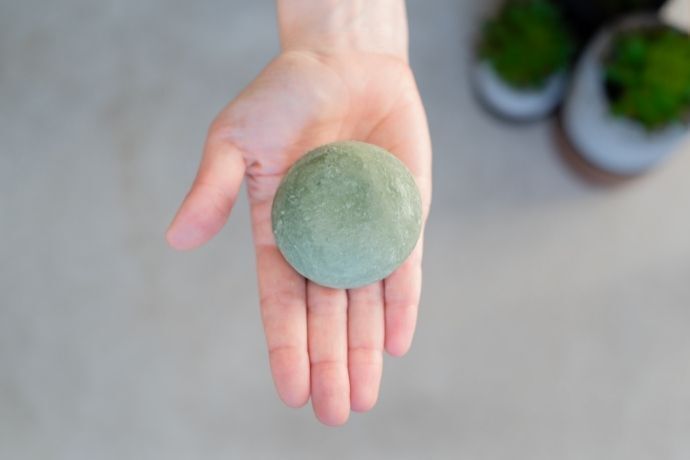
324,343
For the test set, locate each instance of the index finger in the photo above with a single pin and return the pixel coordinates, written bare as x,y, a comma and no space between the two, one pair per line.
283,311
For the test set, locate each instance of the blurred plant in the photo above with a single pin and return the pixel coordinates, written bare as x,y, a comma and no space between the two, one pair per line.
527,42
647,76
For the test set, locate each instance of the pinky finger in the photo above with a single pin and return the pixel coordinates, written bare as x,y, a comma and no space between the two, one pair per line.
402,292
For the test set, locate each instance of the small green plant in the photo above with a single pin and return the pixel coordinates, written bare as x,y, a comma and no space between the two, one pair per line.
527,42
647,76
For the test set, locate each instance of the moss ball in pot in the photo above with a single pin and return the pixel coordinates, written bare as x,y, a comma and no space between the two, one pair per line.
629,106
523,61
347,214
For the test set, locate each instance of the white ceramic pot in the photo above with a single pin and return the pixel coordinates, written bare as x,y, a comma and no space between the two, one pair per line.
614,144
513,103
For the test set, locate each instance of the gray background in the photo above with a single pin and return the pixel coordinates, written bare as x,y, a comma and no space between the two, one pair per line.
555,321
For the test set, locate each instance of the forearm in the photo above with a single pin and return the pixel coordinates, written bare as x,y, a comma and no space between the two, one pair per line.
378,26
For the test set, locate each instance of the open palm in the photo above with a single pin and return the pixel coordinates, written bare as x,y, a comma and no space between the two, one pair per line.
323,343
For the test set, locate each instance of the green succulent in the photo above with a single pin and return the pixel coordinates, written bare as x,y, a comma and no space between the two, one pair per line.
527,42
647,76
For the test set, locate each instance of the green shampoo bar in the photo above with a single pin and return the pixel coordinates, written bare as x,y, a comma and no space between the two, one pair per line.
347,214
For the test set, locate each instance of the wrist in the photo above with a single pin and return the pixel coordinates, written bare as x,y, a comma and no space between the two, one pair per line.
336,26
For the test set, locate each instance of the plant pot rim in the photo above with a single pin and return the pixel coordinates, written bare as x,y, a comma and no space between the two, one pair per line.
639,21
479,62
516,104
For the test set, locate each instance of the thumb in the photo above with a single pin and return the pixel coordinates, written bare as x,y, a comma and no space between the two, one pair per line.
207,206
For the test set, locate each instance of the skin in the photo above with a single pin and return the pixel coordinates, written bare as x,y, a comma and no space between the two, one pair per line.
342,74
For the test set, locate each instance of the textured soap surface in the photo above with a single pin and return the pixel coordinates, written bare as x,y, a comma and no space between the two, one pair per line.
347,214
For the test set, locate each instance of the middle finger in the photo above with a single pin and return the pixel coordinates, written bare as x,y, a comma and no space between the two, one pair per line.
327,331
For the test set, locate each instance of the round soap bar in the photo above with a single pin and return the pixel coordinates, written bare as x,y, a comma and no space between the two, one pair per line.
347,214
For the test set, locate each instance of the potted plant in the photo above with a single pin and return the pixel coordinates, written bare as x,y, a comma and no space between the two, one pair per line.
629,105
523,59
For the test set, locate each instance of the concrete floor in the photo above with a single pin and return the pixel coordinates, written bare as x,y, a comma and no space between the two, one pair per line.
555,317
